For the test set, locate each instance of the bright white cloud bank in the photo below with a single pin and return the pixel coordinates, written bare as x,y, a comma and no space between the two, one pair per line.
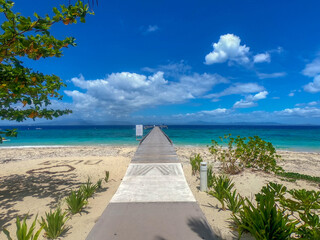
122,93
228,48
313,70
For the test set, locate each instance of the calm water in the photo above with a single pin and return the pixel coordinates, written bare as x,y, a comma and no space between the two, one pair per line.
302,138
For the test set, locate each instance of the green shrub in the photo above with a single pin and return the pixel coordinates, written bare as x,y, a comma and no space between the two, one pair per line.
251,152
22,232
195,163
227,156
54,223
222,186
76,201
88,189
106,178
210,176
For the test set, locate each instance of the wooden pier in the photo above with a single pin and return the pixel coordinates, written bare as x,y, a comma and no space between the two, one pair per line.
153,200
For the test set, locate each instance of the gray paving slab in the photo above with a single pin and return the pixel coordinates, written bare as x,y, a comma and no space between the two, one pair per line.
152,221
154,182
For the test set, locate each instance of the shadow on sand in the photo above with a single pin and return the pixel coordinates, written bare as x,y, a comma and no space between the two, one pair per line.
16,187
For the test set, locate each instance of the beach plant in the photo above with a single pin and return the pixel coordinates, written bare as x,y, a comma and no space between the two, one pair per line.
54,223
280,213
227,156
310,229
264,221
88,189
303,201
22,232
76,201
242,152
210,176
234,201
222,186
195,163
106,178
298,176
304,206
99,183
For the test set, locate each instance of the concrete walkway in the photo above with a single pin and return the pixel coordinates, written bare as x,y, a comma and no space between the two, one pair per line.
153,200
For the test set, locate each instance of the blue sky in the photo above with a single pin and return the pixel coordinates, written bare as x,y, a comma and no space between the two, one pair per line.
189,61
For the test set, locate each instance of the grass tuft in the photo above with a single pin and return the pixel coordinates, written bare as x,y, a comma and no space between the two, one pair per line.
23,233
76,201
88,189
54,223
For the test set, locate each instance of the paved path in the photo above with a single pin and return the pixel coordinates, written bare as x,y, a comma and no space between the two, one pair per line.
153,201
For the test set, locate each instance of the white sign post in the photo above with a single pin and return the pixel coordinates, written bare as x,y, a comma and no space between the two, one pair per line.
139,131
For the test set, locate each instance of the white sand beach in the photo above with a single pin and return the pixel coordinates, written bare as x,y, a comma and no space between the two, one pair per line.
35,180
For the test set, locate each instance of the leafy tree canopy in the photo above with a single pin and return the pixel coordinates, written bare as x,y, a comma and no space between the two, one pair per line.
25,93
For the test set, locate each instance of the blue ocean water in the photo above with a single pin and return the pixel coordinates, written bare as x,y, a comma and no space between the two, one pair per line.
301,138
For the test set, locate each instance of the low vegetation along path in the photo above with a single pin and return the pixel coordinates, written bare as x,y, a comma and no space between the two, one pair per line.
154,200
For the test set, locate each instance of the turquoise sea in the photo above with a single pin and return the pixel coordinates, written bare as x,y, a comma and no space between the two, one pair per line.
300,138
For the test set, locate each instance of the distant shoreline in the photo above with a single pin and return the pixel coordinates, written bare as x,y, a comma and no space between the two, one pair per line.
284,138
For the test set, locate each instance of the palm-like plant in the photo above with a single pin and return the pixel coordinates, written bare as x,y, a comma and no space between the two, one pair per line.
23,233
76,201
222,186
54,223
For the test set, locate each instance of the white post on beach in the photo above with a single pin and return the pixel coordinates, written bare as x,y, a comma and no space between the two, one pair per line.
139,131
203,176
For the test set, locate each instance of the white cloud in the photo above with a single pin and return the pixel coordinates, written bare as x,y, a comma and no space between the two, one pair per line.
258,96
313,87
250,100
291,94
238,88
262,57
225,116
244,104
120,94
218,112
312,69
303,112
214,112
228,48
145,30
271,75
152,28
313,103
173,69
